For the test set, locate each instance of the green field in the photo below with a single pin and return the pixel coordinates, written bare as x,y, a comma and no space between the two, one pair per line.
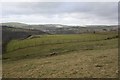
76,55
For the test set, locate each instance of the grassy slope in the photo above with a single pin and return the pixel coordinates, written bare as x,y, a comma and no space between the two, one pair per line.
90,55
90,63
43,46
54,39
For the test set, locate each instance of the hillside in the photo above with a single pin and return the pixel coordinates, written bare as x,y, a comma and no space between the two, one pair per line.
11,33
65,52
53,56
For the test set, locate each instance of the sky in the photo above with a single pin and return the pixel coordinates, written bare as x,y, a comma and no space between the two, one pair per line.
68,13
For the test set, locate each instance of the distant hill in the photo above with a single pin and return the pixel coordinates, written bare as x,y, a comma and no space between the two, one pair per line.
14,24
64,29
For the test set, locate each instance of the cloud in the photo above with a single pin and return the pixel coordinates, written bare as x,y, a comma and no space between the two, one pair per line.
61,12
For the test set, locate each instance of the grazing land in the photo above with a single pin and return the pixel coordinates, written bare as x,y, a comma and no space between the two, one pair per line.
59,40
87,55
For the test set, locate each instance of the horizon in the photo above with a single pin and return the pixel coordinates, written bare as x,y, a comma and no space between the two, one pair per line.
61,24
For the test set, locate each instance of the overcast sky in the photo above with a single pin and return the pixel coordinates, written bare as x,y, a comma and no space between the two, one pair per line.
70,13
